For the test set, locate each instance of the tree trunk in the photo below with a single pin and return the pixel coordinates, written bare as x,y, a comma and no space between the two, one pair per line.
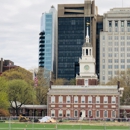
17,111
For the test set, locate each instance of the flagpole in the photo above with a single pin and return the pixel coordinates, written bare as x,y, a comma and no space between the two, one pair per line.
35,84
33,97
9,115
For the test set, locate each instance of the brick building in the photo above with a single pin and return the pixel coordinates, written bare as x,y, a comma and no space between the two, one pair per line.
86,99
83,102
6,65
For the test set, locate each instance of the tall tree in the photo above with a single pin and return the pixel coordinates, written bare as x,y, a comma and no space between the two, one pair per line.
43,77
124,78
19,93
125,99
18,73
4,103
41,95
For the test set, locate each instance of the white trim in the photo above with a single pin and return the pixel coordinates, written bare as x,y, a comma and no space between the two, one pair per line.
52,112
60,112
112,115
68,112
77,113
82,99
104,114
52,99
88,113
68,99
96,113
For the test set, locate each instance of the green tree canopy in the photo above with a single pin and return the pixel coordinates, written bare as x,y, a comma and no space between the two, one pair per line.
125,100
41,95
18,73
19,93
124,78
4,103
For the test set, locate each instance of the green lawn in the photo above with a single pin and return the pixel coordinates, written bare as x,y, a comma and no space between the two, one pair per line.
60,126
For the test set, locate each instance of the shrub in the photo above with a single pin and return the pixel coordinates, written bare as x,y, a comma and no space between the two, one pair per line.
4,112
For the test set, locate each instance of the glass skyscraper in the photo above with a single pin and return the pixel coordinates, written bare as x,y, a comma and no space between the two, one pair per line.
72,19
71,37
47,40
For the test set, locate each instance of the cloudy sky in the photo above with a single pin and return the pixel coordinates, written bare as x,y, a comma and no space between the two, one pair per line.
20,26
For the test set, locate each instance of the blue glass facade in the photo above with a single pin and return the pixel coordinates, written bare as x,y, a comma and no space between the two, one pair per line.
71,36
48,42
46,53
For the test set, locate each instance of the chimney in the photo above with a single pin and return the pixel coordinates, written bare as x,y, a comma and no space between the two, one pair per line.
1,65
51,83
118,84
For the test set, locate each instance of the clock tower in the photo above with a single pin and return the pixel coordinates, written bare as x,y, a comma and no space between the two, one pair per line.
87,75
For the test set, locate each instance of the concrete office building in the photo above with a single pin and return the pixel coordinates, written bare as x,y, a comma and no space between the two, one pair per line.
47,40
72,19
114,43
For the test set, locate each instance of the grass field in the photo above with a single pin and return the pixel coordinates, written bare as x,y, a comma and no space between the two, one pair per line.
62,126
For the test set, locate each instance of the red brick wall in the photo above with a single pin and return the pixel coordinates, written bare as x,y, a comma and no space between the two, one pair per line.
90,82
80,82
87,106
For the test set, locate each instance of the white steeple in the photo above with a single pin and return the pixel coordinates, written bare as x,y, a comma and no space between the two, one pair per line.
87,36
87,63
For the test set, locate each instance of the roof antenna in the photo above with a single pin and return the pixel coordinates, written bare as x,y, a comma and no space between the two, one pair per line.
122,3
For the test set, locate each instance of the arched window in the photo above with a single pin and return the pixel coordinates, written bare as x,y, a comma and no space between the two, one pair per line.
90,52
89,113
67,113
113,114
52,113
75,113
83,52
97,114
60,113
105,114
87,52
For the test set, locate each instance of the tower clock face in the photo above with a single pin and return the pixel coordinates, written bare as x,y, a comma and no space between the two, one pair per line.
86,67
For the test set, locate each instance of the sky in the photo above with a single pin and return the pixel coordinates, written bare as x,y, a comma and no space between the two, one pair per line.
20,26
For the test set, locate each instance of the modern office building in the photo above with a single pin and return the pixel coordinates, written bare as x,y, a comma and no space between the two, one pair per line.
114,43
72,20
47,40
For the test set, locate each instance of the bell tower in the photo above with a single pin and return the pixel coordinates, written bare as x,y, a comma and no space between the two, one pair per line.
87,75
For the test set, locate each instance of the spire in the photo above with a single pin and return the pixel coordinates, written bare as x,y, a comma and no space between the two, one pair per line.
87,34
